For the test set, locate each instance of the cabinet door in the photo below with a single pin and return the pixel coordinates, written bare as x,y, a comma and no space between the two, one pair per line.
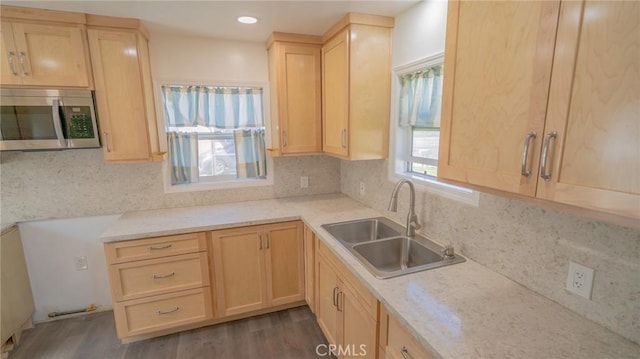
238,262
594,106
309,268
284,262
326,312
358,328
335,95
9,58
119,94
496,82
299,99
51,55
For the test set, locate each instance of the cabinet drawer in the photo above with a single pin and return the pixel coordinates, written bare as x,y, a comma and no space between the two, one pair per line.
158,276
399,341
166,311
127,251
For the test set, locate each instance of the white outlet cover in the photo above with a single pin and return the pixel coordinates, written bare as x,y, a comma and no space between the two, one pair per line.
580,280
81,263
304,181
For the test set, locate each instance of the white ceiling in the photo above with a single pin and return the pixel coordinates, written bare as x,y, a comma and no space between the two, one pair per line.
218,18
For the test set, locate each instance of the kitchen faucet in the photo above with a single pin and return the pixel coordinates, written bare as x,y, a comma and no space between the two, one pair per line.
412,219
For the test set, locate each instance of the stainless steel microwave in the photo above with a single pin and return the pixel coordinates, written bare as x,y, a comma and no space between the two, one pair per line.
38,119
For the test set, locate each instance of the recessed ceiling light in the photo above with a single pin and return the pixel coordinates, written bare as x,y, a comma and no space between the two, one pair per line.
247,19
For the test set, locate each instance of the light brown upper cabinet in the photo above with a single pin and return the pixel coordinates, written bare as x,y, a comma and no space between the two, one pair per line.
294,75
43,53
257,267
550,116
121,71
356,81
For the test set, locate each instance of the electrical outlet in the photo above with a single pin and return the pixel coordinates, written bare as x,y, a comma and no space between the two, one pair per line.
81,263
304,181
361,189
580,280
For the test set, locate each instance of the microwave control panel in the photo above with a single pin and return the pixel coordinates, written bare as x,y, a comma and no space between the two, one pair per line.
79,122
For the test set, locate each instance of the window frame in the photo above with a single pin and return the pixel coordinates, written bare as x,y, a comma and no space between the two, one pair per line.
222,183
401,146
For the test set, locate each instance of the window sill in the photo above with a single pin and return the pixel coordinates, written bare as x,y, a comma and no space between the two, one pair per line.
455,193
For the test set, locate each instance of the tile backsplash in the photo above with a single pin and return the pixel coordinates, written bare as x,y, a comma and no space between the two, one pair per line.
527,243
75,183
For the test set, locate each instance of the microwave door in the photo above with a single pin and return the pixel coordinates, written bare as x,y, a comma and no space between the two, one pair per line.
26,125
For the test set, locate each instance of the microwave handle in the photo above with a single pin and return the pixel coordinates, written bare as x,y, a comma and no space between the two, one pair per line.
57,122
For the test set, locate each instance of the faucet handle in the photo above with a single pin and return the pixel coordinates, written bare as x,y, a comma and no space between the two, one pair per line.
448,252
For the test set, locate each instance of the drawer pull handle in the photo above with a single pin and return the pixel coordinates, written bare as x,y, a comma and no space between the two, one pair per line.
155,276
160,312
405,353
338,301
152,248
11,66
335,299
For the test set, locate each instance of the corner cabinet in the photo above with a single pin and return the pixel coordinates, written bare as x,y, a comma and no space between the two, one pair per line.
512,124
356,87
50,53
126,110
294,75
257,267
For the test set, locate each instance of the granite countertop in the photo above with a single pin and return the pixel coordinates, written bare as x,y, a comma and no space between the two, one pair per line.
459,311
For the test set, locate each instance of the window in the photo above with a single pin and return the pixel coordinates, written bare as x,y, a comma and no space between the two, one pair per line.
418,94
214,133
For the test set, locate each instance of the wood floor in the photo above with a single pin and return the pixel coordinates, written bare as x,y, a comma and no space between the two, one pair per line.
291,333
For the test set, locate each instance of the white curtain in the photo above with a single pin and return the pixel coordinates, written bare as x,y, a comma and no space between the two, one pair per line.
421,98
218,107
183,147
251,158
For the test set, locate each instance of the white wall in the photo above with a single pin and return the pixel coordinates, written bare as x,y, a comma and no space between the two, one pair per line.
419,32
530,244
196,58
50,249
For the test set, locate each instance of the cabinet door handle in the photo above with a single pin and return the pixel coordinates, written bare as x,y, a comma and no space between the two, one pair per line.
338,301
525,153
23,62
544,173
155,276
12,66
260,241
161,312
343,138
152,248
285,140
106,140
335,300
405,353
268,240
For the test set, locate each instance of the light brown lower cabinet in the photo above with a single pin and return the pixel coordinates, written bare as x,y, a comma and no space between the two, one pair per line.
396,342
345,310
257,267
159,283
309,268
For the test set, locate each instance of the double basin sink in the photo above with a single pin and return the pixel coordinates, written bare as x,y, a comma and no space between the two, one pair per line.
382,247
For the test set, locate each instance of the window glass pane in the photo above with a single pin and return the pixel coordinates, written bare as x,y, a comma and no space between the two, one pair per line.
216,155
423,169
425,142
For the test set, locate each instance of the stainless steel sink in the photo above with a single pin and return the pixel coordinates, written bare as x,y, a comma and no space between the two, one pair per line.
392,257
363,230
382,248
